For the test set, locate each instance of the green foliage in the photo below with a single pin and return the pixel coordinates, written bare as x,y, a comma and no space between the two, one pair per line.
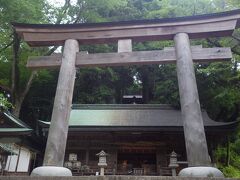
94,85
4,103
218,91
232,169
231,172
15,78
166,89
228,156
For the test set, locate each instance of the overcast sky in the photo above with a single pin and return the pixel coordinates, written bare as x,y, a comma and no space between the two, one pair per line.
59,3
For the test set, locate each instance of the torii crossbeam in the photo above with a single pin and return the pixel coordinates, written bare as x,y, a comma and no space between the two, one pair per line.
178,29
166,56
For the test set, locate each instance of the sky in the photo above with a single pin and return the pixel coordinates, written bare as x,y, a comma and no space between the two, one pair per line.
59,3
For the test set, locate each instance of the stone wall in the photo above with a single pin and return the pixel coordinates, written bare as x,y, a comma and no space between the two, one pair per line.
110,178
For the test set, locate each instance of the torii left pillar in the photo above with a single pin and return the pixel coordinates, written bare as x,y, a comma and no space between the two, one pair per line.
57,136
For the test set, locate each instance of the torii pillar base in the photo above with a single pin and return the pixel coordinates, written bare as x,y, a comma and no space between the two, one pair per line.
201,171
51,171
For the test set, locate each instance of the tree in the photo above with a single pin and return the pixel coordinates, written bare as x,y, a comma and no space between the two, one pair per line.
17,79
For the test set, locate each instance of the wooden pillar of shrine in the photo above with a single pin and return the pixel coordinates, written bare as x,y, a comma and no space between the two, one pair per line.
57,136
195,140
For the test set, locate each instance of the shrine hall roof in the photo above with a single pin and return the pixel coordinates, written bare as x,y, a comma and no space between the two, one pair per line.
104,116
11,125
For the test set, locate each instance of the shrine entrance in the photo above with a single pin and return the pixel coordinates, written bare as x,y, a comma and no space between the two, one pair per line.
180,30
137,162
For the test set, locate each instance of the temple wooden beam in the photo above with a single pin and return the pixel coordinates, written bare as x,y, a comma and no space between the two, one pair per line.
201,26
200,55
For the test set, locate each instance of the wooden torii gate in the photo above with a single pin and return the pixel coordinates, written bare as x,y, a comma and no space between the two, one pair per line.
178,29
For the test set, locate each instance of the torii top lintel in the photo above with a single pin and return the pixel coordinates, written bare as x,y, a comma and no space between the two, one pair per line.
201,26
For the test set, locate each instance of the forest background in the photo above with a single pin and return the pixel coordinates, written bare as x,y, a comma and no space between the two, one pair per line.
30,94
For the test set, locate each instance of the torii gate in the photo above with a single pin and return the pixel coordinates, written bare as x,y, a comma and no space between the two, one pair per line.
178,29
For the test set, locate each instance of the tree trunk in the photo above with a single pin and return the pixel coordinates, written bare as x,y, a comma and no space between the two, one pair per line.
228,152
20,98
119,95
15,69
17,108
145,84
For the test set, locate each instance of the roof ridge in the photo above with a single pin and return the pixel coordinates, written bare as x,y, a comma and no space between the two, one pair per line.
123,106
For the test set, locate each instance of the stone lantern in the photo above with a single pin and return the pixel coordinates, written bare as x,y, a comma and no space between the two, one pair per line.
102,161
73,163
173,163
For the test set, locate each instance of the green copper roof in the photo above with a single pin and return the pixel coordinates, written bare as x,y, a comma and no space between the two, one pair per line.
19,126
15,130
15,120
129,115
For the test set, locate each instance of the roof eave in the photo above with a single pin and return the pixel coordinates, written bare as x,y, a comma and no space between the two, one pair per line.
15,131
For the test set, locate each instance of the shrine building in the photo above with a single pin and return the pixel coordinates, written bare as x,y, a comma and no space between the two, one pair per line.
135,136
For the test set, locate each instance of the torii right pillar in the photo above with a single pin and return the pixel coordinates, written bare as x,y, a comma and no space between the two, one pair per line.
196,145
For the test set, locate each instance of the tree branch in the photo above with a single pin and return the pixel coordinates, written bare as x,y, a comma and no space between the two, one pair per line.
28,85
64,10
51,51
236,38
77,19
33,74
8,45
